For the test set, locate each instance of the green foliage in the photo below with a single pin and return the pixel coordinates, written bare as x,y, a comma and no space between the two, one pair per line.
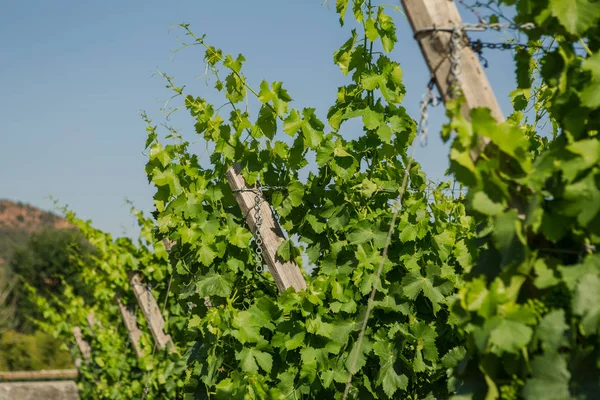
22,352
46,263
492,295
529,307
113,371
255,343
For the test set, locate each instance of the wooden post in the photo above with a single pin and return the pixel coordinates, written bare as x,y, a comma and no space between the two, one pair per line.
169,244
131,325
426,14
91,320
285,273
152,313
84,347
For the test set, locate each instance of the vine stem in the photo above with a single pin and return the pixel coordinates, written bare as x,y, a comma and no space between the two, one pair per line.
585,46
363,329
254,92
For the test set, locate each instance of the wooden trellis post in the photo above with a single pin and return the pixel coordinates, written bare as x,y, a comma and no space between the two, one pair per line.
424,16
91,320
285,273
130,323
151,311
84,347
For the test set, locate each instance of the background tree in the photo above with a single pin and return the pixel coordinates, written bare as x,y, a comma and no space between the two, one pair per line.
47,263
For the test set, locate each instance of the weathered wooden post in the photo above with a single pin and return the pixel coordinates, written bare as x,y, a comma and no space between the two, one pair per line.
151,311
285,273
432,22
84,347
130,323
91,320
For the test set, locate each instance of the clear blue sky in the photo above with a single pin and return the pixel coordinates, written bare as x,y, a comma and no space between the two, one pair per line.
75,75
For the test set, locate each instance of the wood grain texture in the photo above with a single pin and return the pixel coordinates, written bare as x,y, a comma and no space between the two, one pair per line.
285,273
84,347
472,79
131,324
151,311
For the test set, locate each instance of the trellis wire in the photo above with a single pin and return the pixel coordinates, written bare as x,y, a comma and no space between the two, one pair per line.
457,35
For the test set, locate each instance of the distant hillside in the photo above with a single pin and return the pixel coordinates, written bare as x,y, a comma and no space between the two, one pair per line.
18,221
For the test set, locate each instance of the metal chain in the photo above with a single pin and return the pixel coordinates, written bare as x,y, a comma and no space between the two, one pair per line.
258,199
455,45
428,99
258,257
473,28
478,45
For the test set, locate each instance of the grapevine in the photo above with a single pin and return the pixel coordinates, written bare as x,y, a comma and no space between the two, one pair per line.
490,294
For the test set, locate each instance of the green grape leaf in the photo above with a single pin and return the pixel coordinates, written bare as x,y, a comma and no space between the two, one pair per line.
545,276
372,119
551,331
388,378
444,243
295,193
509,336
195,321
414,283
483,204
267,122
590,95
292,123
550,379
158,153
167,178
425,335
340,7
408,232
287,251
582,199
213,284
385,133
371,80
318,327
453,357
371,30
251,358
357,358
586,303
206,254
240,237
577,16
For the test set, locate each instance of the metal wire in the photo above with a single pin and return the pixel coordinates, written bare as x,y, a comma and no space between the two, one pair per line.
428,99
361,335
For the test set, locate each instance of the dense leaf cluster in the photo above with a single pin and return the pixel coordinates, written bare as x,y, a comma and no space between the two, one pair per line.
113,371
255,343
530,307
493,295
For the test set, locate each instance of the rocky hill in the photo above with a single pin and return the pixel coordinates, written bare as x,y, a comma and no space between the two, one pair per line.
18,221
